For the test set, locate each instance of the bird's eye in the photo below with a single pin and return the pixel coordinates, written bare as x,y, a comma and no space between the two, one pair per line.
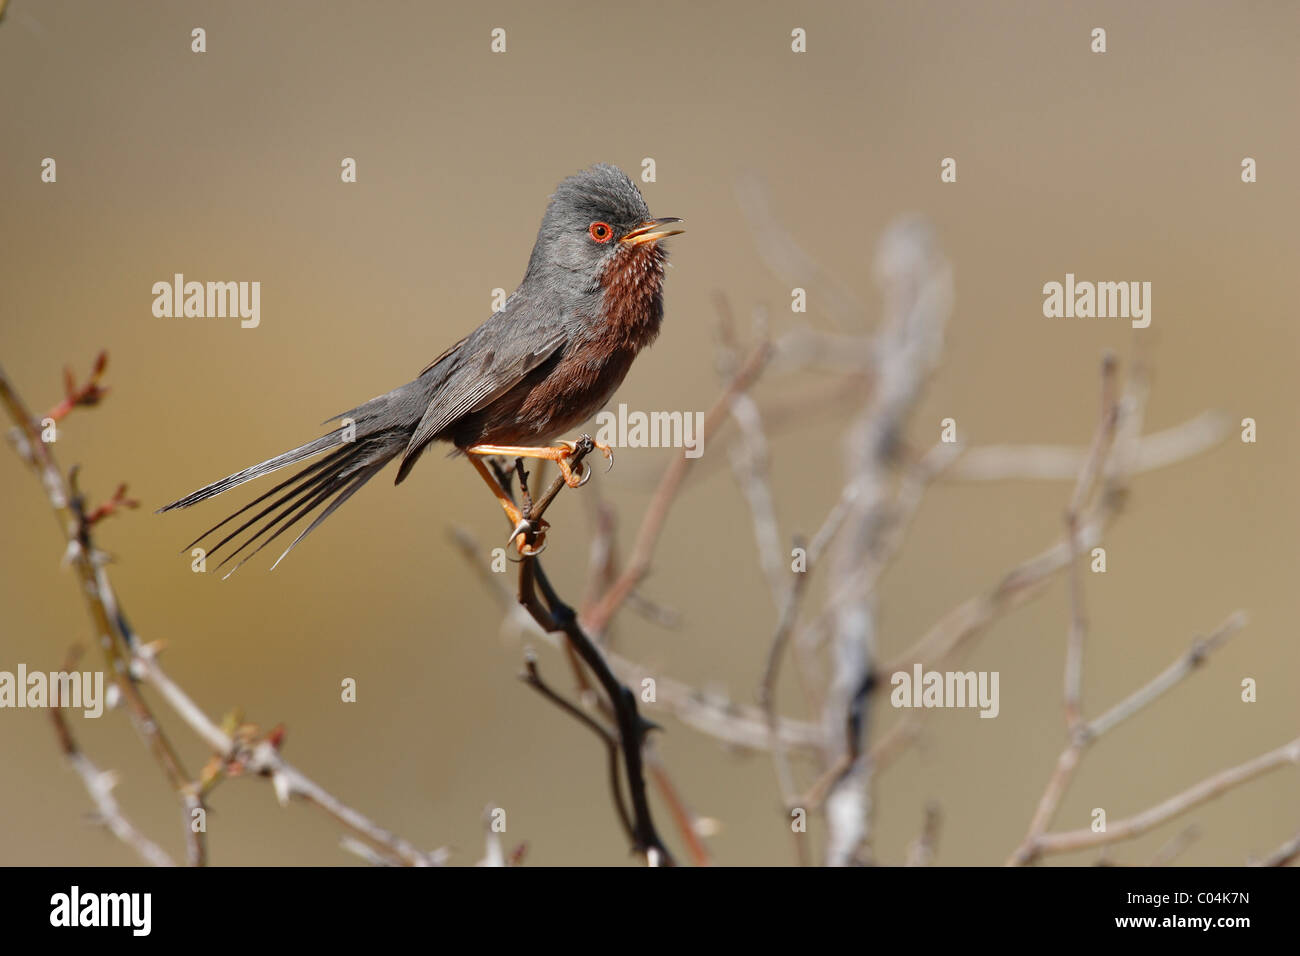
600,231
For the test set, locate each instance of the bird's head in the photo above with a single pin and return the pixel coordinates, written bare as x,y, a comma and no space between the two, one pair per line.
596,226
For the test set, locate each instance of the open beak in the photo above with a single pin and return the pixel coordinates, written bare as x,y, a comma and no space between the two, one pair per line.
652,230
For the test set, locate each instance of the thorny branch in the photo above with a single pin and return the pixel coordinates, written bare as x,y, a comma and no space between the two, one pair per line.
100,785
133,663
533,678
552,614
110,628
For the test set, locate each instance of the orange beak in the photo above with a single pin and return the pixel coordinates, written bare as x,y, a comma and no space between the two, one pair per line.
652,230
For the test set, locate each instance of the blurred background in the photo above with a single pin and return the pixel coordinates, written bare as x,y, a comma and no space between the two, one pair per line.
225,166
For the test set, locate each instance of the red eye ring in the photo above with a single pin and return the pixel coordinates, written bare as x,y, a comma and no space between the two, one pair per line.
601,231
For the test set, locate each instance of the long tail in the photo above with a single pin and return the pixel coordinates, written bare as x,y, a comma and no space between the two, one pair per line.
378,432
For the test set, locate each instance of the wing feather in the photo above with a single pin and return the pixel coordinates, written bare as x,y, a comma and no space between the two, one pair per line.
471,389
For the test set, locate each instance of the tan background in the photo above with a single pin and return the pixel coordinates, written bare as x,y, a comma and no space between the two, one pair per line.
226,166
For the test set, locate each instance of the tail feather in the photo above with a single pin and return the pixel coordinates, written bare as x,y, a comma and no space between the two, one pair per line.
291,457
338,476
295,479
351,489
303,503
300,490
376,433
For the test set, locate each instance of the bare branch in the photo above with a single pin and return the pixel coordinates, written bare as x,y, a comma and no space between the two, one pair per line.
1083,734
100,784
1284,855
1178,804
1166,679
1062,462
533,678
1088,474
921,851
130,660
108,622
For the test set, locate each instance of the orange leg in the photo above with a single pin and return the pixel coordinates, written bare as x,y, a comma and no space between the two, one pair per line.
513,513
558,453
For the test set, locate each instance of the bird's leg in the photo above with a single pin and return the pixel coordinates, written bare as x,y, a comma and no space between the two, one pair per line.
523,486
520,524
558,453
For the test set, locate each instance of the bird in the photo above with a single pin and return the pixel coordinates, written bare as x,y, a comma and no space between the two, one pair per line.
551,357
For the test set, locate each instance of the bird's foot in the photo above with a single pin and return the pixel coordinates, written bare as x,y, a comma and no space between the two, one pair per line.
578,478
558,453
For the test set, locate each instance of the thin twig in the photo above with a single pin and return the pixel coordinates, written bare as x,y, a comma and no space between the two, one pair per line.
1193,658
731,723
921,851
555,615
552,614
1088,474
131,660
100,784
1062,462
1284,855
689,824
69,509
1179,803
1086,733
263,758
533,678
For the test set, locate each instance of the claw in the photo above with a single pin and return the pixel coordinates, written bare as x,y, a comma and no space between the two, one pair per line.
519,536
527,552
566,469
604,449
598,446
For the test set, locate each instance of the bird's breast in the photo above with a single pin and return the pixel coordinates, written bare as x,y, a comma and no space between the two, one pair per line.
558,396
632,307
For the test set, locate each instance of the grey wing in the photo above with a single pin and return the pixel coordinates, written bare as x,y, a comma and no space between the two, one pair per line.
476,384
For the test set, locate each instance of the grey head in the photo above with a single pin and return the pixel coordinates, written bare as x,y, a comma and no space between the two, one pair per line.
592,217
